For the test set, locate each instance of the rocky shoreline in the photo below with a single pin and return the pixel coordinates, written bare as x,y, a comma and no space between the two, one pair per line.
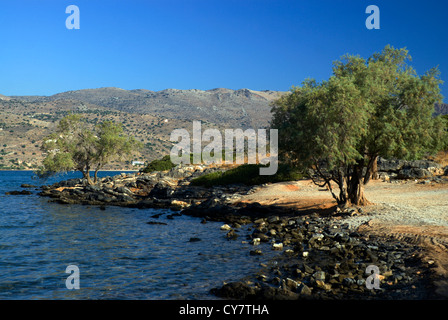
319,256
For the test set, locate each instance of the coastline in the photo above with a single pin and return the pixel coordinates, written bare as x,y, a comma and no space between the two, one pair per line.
323,250
120,170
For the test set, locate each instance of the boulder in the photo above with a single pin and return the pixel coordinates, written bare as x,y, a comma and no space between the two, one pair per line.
414,173
26,185
390,165
23,192
124,190
161,191
403,169
234,290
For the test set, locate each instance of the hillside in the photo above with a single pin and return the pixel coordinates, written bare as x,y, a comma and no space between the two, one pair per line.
237,108
441,108
148,115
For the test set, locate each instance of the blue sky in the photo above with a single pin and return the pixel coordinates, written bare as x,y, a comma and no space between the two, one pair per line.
205,44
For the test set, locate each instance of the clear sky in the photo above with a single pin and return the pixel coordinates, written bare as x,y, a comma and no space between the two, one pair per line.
205,44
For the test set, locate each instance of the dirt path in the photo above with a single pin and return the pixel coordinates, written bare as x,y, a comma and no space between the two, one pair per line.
410,212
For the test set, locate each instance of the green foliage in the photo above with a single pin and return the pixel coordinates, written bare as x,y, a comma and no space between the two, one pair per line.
159,165
248,174
445,119
367,108
76,145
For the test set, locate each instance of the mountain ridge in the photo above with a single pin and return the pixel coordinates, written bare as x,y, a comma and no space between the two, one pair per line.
237,108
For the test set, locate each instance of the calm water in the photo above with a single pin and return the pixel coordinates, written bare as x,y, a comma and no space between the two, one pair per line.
119,256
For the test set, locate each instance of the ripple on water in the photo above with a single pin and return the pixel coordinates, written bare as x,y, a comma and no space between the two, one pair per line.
119,255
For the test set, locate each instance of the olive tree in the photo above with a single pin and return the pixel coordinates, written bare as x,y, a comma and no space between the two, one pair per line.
337,128
75,145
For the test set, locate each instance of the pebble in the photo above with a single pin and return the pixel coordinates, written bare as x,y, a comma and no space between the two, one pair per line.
226,227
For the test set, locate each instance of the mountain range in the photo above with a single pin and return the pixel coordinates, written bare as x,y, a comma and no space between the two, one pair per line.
241,108
148,115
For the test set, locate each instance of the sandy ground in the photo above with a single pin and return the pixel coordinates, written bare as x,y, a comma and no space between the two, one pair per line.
409,211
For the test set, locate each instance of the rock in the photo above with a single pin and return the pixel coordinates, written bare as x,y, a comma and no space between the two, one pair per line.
277,246
232,235
261,236
179,204
123,198
402,169
255,252
15,193
270,293
273,219
307,269
319,275
384,176
226,227
304,290
322,285
291,284
255,241
124,190
234,290
348,281
92,188
414,173
155,222
361,282
161,191
25,185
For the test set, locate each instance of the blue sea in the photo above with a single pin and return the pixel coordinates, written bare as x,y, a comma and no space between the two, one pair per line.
118,255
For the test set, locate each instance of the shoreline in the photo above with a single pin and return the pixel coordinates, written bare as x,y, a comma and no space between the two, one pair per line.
322,254
73,171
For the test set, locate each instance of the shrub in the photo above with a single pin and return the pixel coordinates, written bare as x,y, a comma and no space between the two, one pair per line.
248,174
159,165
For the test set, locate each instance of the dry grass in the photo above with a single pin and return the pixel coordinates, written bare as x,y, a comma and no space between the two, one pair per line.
441,158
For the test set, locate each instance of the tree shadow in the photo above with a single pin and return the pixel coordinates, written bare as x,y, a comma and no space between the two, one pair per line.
293,209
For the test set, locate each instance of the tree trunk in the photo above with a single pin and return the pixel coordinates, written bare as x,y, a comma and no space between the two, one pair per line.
375,169
95,180
372,169
356,193
86,175
355,186
343,192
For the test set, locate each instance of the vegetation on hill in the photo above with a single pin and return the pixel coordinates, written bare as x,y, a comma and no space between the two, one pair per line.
159,165
248,174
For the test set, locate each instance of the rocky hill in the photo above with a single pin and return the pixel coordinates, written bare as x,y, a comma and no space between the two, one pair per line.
441,109
148,115
236,108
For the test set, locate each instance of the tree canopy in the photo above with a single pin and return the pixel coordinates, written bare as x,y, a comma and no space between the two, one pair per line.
367,108
77,146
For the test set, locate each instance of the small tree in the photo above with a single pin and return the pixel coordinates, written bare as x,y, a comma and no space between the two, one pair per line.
77,146
339,127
